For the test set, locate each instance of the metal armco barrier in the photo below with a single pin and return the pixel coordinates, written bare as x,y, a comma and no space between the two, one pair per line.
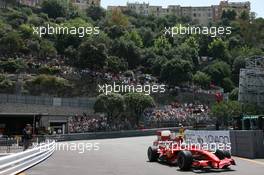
110,134
18,162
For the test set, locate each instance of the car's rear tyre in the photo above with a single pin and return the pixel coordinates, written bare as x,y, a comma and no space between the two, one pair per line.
152,154
185,160
222,154
227,154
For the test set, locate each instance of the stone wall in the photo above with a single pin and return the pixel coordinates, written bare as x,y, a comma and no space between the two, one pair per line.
51,110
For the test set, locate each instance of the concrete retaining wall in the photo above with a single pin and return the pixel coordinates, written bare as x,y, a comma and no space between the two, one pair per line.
109,135
249,144
51,110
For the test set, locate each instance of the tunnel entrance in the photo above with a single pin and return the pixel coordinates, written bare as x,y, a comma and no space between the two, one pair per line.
14,123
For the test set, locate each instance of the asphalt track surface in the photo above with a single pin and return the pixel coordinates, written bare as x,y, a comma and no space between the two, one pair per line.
126,156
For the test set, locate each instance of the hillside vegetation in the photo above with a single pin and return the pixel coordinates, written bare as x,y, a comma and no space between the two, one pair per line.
127,42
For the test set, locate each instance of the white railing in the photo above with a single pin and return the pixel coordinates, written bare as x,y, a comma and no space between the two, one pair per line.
18,162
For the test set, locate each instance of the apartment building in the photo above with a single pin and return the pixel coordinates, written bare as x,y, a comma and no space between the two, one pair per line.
122,8
84,4
155,10
238,7
139,8
32,3
201,15
174,9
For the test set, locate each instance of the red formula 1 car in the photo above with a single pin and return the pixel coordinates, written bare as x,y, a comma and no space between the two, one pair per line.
171,149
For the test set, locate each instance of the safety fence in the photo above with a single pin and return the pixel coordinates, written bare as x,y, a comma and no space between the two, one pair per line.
14,144
80,102
18,162
9,145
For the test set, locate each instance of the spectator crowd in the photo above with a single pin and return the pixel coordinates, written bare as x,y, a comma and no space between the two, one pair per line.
176,113
85,123
169,115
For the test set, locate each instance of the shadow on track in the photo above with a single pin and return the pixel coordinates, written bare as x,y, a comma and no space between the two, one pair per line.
208,170
194,170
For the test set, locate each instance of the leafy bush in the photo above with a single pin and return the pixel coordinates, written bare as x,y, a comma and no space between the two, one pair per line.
54,8
12,66
48,70
47,84
6,86
202,79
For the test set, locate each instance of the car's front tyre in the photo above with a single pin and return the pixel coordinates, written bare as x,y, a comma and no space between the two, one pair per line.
152,154
184,160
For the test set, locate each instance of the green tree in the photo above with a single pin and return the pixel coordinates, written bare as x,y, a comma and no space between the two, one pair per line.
64,41
176,71
92,56
127,50
234,94
71,55
136,103
135,37
47,49
50,70
218,49
225,112
112,105
147,36
48,85
229,14
34,47
202,79
115,31
12,65
218,71
227,84
96,13
26,31
6,85
234,42
193,49
244,16
11,43
118,18
115,64
239,63
54,8
162,43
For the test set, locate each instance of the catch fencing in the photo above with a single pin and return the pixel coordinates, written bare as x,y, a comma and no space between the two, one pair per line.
14,144
79,102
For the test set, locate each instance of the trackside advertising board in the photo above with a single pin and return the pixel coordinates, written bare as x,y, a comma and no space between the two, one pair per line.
211,139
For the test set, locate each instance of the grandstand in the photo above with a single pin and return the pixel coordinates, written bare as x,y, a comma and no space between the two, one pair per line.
251,82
